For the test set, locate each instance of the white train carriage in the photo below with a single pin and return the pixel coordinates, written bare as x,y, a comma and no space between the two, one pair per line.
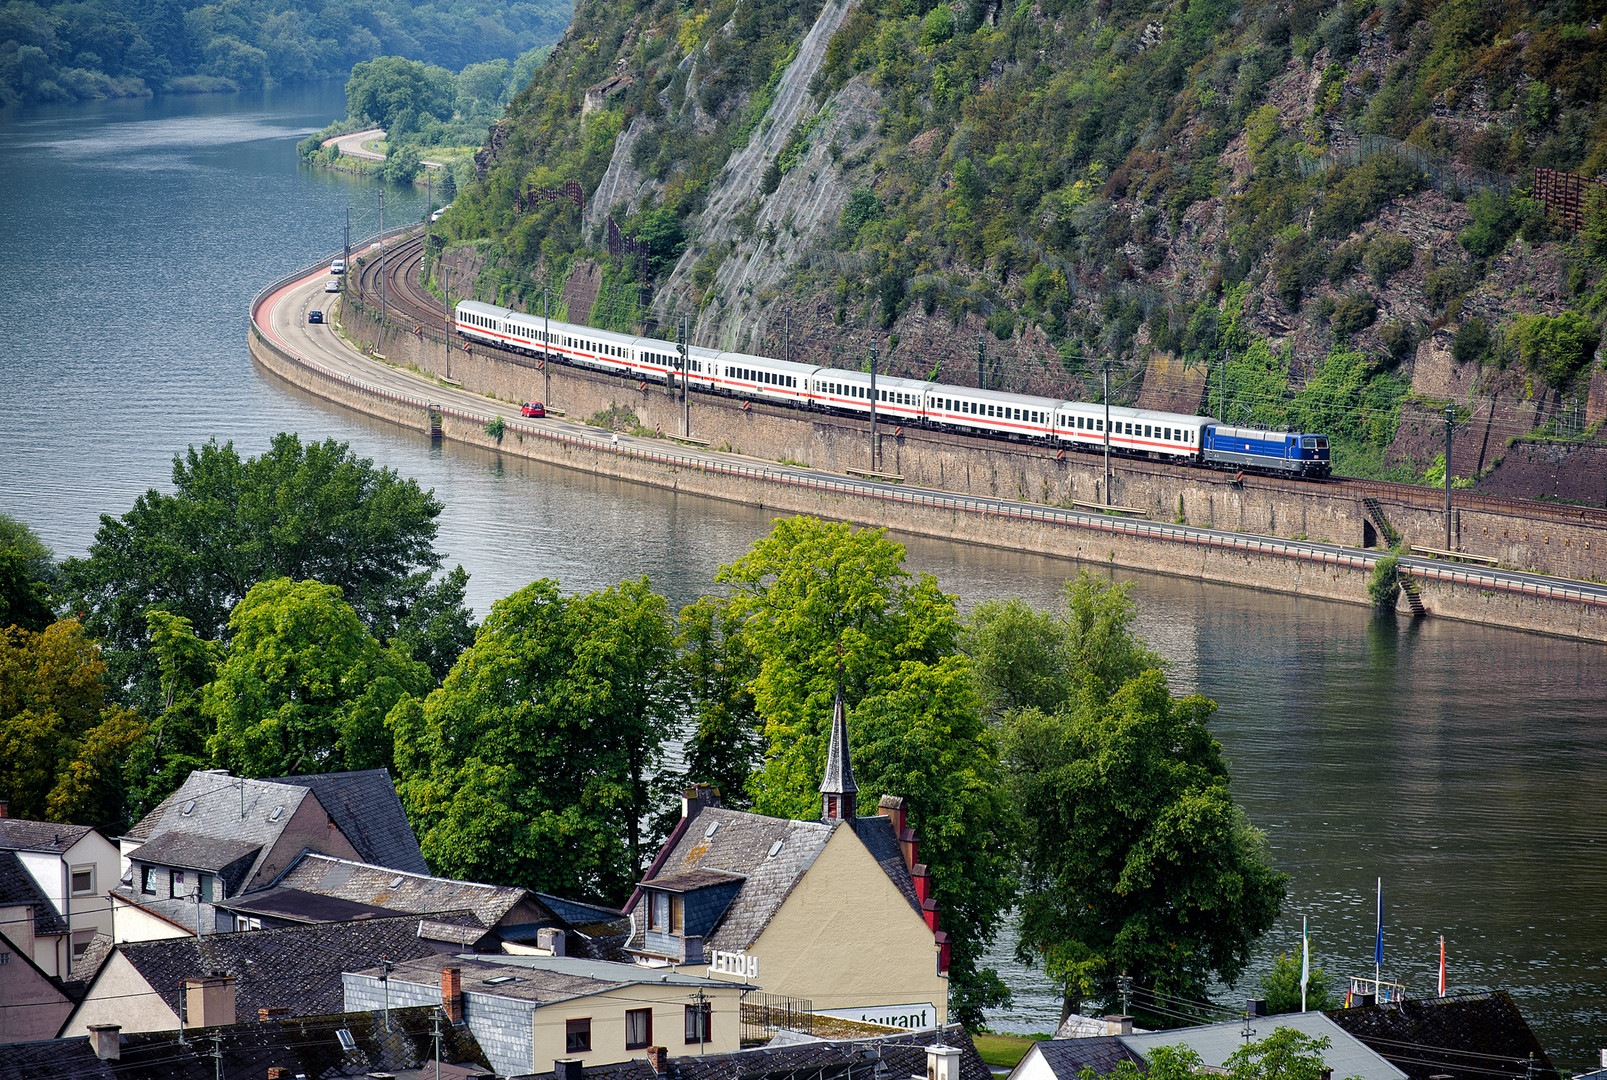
1132,431
992,412
897,400
759,377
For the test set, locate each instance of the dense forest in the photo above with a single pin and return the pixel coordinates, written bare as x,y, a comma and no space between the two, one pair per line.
1318,209
85,49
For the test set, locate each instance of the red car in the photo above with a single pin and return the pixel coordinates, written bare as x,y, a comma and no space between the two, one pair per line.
533,408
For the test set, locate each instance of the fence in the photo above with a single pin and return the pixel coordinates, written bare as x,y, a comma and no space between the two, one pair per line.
1564,195
765,1014
1354,149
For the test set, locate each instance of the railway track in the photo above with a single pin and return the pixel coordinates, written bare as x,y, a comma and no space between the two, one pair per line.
408,301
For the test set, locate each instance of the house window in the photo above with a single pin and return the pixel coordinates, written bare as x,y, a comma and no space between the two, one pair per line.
5,958
176,885
658,911
147,879
84,880
81,942
577,1036
638,1028
242,922
698,1022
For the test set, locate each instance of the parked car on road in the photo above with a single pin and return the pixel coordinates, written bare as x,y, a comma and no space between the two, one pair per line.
315,316
338,266
533,408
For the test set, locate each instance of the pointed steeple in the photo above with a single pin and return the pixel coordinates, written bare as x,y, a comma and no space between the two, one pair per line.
838,789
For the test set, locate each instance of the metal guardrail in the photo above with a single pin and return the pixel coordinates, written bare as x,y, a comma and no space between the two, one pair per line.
1423,570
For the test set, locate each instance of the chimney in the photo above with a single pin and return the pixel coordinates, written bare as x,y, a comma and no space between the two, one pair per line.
697,798
209,1001
892,808
452,993
943,951
1117,1024
659,1058
692,949
1604,1058
922,879
105,1040
942,1062
566,1069
266,1014
929,913
1255,1007
910,846
5,807
1364,1001
275,1072
551,938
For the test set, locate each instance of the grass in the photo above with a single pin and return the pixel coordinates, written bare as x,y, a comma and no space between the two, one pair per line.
1004,1051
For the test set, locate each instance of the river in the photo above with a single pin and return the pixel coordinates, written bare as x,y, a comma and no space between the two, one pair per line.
1460,763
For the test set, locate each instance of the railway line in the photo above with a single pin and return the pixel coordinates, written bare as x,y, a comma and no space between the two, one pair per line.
408,302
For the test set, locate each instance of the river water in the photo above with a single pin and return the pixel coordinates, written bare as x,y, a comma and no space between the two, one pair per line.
1462,764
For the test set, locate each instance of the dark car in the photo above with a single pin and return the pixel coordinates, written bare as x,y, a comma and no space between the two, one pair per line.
533,408
315,316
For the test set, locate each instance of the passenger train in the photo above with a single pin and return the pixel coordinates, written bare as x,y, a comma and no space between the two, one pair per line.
1076,425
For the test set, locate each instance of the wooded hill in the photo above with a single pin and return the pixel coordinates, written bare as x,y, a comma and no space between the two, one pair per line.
1332,195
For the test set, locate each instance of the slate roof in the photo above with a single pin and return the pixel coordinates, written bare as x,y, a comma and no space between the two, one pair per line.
306,1046
303,907
541,980
839,776
20,834
190,851
227,808
1067,1058
876,833
901,1055
741,845
294,967
365,806
1215,1043
385,887
1465,1036
17,886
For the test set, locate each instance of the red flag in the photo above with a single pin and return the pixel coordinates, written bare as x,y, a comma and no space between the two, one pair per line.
1442,966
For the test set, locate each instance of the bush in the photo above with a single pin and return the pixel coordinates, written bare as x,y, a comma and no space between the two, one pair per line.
1383,587
1495,219
1471,343
1345,259
1556,347
1439,286
1357,194
1387,255
1352,313
1399,337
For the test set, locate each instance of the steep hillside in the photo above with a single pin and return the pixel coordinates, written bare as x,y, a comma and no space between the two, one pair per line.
1330,195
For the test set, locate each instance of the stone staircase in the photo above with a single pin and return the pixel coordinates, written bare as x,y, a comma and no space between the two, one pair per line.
1414,596
1375,514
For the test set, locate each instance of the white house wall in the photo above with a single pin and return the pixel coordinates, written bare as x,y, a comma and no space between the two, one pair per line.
120,995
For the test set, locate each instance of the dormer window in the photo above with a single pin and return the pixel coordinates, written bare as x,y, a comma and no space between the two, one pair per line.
664,912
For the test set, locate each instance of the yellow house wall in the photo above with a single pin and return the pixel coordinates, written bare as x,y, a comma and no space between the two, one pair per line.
120,995
847,938
130,924
607,1014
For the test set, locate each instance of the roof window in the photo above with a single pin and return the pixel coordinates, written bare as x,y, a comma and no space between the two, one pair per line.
278,812
395,881
188,807
347,1042
714,827
500,979
775,849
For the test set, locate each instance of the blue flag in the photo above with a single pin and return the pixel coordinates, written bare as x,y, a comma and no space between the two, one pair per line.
1378,946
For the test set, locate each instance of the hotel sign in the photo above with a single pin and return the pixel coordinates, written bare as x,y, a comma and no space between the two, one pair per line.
734,963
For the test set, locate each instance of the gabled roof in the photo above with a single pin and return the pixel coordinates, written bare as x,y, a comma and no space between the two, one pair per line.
295,905
294,967
541,980
306,1046
396,890
1464,1036
211,805
876,833
20,834
17,886
1215,1043
365,806
1067,1058
740,843
883,1056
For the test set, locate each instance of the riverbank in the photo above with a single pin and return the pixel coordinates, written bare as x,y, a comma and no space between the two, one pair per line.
1324,571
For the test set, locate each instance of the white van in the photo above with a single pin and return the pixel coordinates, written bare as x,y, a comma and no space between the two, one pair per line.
338,266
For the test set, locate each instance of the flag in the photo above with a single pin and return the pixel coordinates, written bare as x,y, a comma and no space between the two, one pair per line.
1378,946
1305,963
1442,965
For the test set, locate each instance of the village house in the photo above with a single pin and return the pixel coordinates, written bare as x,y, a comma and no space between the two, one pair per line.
218,978
71,868
838,913
219,835
526,1010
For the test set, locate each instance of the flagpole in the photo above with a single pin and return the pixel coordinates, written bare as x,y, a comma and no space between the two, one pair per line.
1305,960
1378,946
1442,965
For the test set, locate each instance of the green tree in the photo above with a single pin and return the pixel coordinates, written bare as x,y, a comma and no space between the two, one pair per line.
1557,347
315,512
536,759
1286,1054
382,90
1282,986
23,600
176,743
305,688
723,748
1137,860
482,88
62,745
813,598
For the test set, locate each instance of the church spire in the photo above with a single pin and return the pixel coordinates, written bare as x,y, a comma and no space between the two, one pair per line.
838,789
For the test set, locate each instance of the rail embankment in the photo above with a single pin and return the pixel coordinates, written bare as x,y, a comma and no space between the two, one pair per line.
1002,520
